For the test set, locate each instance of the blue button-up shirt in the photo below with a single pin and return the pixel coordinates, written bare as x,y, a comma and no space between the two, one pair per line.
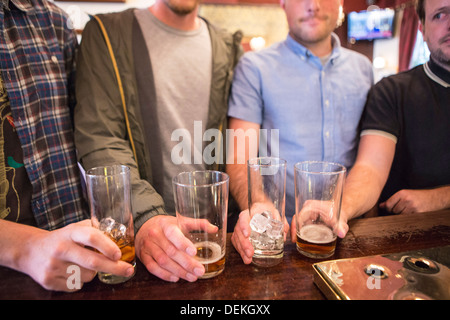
316,107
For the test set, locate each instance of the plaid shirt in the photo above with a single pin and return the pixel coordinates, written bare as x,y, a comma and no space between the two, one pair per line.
37,51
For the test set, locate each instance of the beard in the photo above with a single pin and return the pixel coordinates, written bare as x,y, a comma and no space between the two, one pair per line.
441,58
182,7
440,52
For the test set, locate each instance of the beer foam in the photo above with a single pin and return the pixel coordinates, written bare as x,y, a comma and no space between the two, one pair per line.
214,247
316,233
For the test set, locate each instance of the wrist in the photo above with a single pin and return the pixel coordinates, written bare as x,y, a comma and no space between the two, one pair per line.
16,244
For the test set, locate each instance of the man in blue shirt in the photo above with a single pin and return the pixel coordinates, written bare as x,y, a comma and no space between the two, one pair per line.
307,87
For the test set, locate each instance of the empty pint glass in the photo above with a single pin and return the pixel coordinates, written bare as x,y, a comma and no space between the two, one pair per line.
201,203
318,195
109,193
266,202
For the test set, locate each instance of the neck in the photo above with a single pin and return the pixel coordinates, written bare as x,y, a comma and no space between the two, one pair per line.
185,22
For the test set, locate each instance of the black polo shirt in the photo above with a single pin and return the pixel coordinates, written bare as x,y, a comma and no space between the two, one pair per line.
413,107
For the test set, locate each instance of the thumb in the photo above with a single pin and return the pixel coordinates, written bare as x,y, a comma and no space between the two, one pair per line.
294,229
342,229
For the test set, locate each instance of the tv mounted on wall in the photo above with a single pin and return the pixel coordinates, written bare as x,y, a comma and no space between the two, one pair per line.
370,25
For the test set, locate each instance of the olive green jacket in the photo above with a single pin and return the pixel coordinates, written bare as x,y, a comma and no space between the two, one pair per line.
101,134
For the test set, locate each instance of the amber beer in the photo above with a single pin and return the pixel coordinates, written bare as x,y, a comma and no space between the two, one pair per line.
109,194
128,252
316,241
211,256
127,249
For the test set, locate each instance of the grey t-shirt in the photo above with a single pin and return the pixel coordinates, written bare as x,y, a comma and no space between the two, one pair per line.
182,69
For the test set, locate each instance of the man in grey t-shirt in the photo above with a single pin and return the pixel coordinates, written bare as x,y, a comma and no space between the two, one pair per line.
176,70
179,103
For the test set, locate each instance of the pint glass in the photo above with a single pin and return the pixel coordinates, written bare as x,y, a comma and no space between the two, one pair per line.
201,203
109,194
318,195
266,202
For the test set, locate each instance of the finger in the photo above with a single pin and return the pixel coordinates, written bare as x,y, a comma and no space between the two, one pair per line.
294,229
395,206
246,255
148,250
178,263
390,204
107,260
200,224
180,251
244,223
95,261
286,228
91,237
165,260
236,244
342,229
240,238
157,264
243,232
177,238
405,208
311,209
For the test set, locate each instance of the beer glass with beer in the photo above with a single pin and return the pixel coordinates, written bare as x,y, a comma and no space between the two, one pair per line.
201,203
266,202
109,194
318,195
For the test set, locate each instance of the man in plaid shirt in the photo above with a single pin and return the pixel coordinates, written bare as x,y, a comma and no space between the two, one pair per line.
42,231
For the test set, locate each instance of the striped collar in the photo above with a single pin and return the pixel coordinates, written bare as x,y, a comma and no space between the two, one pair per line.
437,73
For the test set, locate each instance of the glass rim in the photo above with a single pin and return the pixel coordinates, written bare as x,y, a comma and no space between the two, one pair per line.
281,161
225,179
340,168
102,173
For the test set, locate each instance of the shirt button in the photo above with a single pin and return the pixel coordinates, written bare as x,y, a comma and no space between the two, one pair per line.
327,134
54,59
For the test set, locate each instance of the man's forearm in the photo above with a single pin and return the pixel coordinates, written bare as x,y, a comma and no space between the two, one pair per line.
237,162
238,184
361,192
14,240
443,193
368,176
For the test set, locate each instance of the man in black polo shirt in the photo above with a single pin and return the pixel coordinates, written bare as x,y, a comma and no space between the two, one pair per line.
404,152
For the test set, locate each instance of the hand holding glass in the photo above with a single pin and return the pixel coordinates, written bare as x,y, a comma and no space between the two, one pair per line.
109,193
318,195
201,202
266,200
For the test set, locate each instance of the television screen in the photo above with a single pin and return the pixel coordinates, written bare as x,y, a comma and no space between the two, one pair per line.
369,25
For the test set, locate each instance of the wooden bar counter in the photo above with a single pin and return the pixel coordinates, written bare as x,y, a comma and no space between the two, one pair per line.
293,279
